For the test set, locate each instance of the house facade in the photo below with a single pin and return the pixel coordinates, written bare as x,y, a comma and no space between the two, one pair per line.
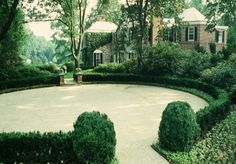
190,34
193,32
101,52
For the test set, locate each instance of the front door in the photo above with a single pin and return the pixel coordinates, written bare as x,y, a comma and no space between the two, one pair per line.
97,59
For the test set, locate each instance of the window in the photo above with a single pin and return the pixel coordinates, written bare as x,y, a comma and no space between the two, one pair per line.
98,59
220,37
191,34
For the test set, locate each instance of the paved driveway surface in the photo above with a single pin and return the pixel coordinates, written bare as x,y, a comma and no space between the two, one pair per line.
135,110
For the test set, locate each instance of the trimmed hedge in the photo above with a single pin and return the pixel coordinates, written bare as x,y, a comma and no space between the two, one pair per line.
206,117
214,113
92,141
19,83
36,148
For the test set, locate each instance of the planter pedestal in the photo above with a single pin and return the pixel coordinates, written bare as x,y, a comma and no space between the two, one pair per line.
78,78
61,79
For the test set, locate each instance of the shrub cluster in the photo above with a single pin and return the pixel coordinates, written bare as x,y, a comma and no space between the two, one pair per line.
168,59
28,82
110,68
53,68
94,138
178,129
92,141
21,72
222,75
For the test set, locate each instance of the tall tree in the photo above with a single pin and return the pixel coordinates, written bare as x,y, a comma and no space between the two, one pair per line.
12,46
72,15
141,14
221,9
198,4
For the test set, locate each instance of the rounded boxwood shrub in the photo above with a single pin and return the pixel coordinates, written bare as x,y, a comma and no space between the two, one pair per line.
178,129
94,138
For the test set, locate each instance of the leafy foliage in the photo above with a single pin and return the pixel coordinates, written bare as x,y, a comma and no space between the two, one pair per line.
38,50
21,72
170,59
53,68
178,129
222,75
94,138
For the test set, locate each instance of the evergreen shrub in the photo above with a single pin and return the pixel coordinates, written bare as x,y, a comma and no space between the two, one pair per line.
94,138
178,129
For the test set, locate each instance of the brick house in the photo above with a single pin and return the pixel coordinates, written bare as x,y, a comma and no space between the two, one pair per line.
193,31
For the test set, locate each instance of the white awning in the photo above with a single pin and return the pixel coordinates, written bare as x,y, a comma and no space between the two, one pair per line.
102,26
221,28
97,51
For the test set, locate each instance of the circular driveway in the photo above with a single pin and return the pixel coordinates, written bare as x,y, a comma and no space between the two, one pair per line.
135,110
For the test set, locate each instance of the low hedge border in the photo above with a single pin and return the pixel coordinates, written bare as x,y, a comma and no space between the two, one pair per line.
206,117
35,147
28,83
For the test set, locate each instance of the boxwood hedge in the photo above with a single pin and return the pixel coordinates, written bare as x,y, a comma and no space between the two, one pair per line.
93,139
34,147
27,82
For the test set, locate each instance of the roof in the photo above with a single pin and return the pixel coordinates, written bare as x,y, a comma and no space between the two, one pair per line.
102,26
193,16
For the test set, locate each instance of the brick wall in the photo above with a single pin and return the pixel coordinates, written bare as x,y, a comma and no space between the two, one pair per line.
203,39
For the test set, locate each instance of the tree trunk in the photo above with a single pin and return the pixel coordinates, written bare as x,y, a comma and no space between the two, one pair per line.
11,17
77,63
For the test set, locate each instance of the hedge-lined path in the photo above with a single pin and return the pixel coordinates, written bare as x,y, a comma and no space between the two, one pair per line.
135,110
